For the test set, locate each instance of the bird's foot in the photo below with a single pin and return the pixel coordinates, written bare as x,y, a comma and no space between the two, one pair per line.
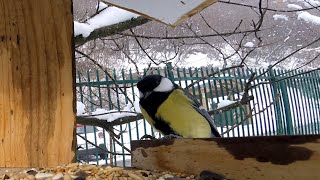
147,136
171,136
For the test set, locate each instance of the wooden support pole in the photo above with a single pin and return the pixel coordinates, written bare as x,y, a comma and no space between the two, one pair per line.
36,83
277,157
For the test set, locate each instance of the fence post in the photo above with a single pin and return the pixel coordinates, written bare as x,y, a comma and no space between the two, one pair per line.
286,104
170,72
276,94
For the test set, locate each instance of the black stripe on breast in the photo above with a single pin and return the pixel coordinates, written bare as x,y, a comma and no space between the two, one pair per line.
151,104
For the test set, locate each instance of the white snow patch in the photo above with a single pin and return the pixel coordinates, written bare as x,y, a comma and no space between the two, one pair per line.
82,28
137,106
196,60
280,16
80,108
311,3
111,115
107,17
309,18
101,6
294,6
224,103
249,44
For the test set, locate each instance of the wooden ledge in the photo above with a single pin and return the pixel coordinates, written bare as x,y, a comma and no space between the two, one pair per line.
274,157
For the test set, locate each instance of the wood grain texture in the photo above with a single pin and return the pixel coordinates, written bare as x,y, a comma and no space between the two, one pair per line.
36,83
279,157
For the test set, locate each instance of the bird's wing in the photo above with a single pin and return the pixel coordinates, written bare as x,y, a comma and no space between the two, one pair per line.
196,105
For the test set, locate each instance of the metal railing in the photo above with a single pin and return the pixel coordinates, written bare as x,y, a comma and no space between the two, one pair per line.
284,103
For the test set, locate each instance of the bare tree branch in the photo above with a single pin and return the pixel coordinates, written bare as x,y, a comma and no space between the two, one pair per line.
268,9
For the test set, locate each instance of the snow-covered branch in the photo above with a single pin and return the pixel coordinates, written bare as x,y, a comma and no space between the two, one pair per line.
105,31
106,21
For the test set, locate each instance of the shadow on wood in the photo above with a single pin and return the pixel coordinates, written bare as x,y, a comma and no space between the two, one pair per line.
275,157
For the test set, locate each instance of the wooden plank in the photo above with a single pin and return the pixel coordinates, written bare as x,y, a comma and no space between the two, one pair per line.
276,157
36,83
170,12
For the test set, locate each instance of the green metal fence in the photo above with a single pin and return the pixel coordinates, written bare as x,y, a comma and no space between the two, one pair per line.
284,103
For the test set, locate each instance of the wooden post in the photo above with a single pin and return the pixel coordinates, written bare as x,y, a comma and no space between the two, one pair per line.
36,83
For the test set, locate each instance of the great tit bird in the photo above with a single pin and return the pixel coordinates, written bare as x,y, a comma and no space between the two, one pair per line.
173,110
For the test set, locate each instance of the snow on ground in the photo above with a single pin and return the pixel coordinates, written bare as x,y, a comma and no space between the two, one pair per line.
136,106
294,6
309,18
249,44
200,60
311,3
107,17
197,60
280,16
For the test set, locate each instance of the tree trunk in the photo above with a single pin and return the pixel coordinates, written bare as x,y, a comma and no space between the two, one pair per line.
36,83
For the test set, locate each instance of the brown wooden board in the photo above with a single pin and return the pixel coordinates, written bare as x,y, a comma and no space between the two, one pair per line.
36,83
274,157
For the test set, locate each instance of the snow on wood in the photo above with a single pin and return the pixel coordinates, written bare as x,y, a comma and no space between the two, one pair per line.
108,16
111,115
80,108
171,12
225,103
101,6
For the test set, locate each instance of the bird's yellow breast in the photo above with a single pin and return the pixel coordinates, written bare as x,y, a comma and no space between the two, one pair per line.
178,112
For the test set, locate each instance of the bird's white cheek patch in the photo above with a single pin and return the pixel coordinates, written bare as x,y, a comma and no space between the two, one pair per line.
164,86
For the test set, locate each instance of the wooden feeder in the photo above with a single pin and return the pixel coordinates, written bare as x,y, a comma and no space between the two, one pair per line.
36,83
274,157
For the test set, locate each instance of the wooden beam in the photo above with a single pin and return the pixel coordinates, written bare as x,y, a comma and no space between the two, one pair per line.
277,157
36,83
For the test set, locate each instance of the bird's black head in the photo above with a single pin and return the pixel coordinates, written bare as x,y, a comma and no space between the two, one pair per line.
148,83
